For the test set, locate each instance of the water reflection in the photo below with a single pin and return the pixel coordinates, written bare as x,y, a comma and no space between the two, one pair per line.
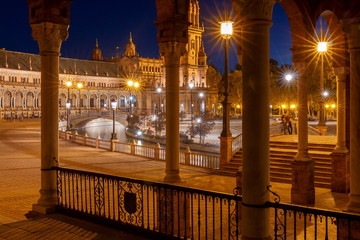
103,128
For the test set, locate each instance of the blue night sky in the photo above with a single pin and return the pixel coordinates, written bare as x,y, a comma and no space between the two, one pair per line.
111,21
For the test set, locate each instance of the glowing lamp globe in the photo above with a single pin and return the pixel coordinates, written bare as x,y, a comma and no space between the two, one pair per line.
322,47
68,105
130,83
136,84
113,104
191,85
68,83
79,85
288,77
201,94
226,29
325,93
158,90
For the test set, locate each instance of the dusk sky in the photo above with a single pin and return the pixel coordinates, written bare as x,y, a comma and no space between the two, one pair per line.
111,22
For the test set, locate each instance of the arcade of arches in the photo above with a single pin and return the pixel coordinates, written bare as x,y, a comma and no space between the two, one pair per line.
255,19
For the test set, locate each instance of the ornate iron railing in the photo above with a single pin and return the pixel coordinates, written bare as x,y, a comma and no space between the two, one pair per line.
174,211
187,213
298,222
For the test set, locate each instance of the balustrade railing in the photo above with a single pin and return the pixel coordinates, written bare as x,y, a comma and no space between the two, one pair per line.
163,209
236,143
187,213
157,153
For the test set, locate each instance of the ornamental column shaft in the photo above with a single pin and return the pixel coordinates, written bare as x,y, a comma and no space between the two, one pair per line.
302,190
172,53
354,49
340,155
49,37
256,15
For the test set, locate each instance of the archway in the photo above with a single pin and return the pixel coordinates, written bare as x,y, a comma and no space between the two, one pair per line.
18,99
30,100
7,99
62,100
93,100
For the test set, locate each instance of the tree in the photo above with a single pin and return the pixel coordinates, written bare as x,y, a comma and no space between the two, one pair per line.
133,120
213,77
159,123
202,127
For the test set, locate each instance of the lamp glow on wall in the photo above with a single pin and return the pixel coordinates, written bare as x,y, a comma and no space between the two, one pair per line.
68,105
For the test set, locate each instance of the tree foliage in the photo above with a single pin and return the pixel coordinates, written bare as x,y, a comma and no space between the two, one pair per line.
203,127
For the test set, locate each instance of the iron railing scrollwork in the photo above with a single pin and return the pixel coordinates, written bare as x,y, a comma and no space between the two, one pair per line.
187,213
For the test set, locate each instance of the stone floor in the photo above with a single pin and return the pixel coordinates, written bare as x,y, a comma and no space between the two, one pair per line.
20,183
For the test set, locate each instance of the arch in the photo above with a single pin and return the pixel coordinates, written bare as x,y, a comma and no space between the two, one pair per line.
7,99
83,100
103,100
93,99
18,99
62,100
122,102
30,99
38,100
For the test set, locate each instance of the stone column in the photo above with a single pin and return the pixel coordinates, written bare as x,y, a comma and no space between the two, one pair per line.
49,37
340,156
256,15
302,190
353,31
172,52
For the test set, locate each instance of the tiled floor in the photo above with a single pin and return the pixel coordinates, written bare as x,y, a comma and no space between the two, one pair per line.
20,180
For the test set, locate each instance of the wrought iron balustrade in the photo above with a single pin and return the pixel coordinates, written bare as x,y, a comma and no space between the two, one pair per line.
174,211
187,213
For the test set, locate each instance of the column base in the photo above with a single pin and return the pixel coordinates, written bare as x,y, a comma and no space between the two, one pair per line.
43,209
354,204
225,150
322,129
303,190
172,176
340,177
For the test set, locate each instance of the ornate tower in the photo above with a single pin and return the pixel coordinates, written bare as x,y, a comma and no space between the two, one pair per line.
130,49
193,64
96,56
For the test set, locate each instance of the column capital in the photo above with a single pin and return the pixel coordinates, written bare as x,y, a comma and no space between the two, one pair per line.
341,73
351,27
255,10
49,36
300,67
172,49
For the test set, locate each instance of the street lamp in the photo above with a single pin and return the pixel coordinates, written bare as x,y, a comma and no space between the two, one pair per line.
131,84
191,85
68,105
68,85
322,48
79,85
226,33
288,78
202,107
159,91
113,106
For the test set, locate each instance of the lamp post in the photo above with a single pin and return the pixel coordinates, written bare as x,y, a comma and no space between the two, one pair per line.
201,95
226,33
191,85
79,85
131,84
68,85
288,78
113,106
159,91
322,48
68,105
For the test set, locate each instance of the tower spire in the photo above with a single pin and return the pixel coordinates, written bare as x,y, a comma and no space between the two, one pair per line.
130,38
97,44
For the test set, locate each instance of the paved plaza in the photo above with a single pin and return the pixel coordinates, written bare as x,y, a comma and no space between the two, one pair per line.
20,183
